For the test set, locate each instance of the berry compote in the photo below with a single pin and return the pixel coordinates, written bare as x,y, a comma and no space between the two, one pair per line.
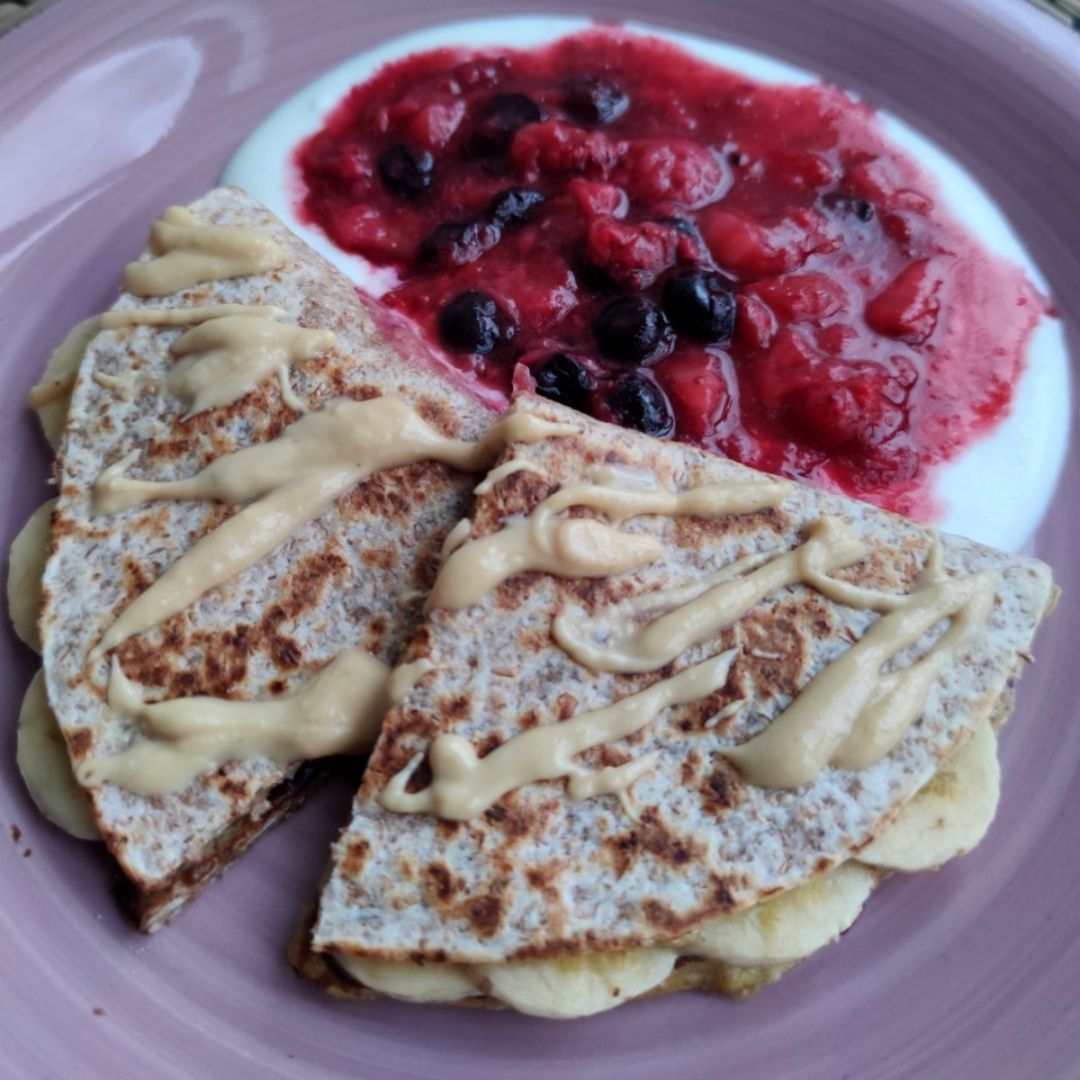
671,246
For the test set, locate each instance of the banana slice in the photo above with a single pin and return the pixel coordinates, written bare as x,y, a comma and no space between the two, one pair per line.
51,397
411,982
26,565
947,817
577,986
42,757
789,926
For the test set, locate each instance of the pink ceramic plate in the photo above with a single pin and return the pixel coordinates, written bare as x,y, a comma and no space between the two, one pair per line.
111,110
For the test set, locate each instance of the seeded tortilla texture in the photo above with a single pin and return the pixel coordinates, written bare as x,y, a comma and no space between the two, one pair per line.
538,875
353,575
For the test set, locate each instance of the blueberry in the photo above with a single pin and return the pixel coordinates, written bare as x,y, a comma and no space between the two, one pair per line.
472,322
641,404
848,205
457,243
632,329
701,305
512,206
679,224
564,379
590,101
406,171
590,277
498,122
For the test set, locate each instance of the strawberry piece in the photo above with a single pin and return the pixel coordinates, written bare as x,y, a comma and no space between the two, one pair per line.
698,391
751,250
907,309
804,297
742,246
755,324
784,370
434,125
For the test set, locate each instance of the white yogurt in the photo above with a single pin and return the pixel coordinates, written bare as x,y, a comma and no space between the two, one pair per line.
996,491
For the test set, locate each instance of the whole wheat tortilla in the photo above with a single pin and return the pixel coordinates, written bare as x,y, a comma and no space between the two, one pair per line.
354,575
539,875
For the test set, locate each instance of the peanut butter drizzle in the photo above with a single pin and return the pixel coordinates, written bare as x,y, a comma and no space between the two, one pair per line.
230,549
585,547
614,780
188,253
288,395
851,715
224,359
501,472
338,712
50,396
567,548
405,676
701,609
294,478
455,538
118,318
120,385
463,785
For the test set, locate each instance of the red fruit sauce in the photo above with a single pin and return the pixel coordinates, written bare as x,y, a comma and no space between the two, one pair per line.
874,336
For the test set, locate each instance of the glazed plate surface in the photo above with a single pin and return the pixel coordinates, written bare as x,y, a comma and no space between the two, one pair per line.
114,110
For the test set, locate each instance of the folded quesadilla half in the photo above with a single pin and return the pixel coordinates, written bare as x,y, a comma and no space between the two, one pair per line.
666,725
254,489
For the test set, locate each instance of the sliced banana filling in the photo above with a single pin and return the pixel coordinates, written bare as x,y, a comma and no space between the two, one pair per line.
788,927
42,756
946,818
949,816
26,567
412,982
40,750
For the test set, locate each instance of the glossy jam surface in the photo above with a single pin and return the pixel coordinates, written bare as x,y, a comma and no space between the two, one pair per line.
672,246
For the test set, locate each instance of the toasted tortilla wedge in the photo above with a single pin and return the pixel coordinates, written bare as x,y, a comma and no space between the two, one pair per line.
353,576
540,876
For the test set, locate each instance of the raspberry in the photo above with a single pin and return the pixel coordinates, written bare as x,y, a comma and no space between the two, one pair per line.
844,414
481,73
552,148
676,170
595,199
633,256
